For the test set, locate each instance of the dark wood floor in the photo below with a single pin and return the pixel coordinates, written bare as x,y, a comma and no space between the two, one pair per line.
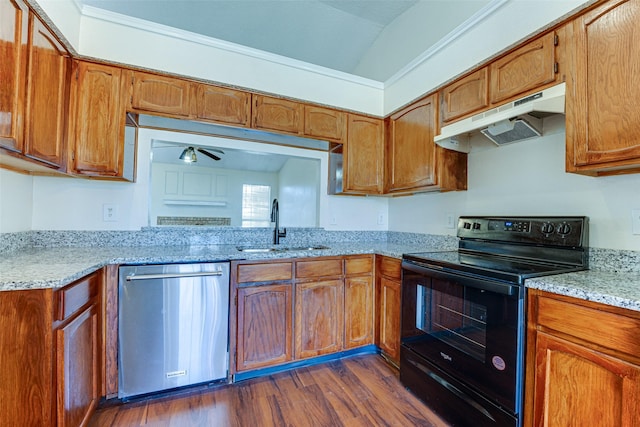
356,391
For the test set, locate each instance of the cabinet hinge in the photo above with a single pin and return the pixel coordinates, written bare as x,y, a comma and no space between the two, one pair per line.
555,68
556,40
77,74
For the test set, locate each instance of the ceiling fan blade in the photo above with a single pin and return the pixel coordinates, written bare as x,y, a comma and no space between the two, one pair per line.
208,154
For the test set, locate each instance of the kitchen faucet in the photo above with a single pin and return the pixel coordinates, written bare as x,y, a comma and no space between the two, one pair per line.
275,217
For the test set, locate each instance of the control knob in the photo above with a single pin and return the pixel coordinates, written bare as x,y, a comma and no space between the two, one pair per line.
564,229
547,228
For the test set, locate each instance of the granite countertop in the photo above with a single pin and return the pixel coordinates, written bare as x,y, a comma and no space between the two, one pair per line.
39,268
611,288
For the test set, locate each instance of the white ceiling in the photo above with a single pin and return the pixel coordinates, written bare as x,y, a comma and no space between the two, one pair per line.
369,38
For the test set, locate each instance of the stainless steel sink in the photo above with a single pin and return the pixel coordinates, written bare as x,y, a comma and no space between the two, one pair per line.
258,249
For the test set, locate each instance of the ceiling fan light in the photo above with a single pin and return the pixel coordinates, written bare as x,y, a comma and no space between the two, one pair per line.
188,155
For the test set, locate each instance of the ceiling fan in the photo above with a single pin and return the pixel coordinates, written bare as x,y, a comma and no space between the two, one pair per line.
189,154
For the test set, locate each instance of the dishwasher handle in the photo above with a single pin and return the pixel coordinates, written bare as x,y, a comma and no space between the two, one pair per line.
173,275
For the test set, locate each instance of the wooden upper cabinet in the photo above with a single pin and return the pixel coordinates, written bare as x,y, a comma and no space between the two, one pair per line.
465,96
411,153
324,123
161,94
47,96
363,156
96,131
524,69
14,21
276,114
222,105
603,118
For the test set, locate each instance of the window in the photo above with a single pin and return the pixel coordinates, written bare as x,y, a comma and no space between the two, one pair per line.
256,204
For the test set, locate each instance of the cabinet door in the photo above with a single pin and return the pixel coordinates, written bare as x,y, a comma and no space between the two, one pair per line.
323,123
358,311
97,134
363,166
78,368
412,151
14,26
47,94
223,105
389,293
465,96
568,379
160,94
603,118
263,326
276,114
525,69
319,318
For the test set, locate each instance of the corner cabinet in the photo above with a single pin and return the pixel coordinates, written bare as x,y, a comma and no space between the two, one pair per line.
603,117
48,79
14,19
51,355
414,162
97,123
579,352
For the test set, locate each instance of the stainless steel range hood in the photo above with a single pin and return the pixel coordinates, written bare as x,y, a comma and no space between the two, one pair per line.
516,121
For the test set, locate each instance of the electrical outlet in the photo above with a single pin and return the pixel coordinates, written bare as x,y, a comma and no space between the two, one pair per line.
109,212
380,218
635,221
333,220
451,220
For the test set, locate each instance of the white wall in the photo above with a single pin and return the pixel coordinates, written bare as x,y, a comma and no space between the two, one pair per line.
504,26
409,34
77,204
16,201
528,178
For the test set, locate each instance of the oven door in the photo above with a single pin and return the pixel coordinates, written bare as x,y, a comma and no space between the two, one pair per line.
469,327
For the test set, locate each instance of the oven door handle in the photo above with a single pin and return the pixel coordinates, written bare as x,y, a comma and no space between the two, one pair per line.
484,284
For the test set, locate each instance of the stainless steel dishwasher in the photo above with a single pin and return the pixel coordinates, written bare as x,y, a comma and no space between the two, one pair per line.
173,326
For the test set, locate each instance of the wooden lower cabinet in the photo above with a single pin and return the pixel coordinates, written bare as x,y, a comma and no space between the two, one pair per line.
288,310
264,316
78,368
388,294
51,354
319,318
358,311
583,363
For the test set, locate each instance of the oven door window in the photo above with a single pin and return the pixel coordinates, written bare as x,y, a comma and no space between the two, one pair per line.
454,317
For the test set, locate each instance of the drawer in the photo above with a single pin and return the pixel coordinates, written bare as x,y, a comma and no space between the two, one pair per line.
389,267
599,327
76,295
319,268
264,272
360,265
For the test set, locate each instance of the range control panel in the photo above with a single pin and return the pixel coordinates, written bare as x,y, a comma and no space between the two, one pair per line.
560,231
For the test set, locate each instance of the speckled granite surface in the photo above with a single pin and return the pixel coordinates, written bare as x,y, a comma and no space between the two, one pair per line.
52,259
617,289
36,268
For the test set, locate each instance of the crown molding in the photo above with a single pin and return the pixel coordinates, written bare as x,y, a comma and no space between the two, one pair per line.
463,28
175,33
